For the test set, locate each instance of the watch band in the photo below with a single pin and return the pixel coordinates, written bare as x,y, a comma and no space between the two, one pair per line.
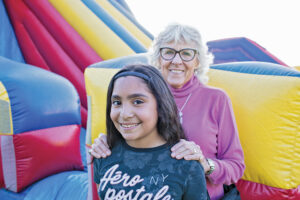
211,165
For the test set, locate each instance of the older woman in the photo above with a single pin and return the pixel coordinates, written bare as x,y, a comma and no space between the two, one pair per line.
205,112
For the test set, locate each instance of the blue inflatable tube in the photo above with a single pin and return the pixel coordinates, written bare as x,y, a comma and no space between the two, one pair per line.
129,16
117,28
256,68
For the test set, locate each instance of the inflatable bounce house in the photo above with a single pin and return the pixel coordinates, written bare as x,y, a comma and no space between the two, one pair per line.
56,59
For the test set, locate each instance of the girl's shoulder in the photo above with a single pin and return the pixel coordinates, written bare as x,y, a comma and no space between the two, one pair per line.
190,165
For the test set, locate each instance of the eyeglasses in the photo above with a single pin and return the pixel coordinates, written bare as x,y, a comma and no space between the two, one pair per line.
185,54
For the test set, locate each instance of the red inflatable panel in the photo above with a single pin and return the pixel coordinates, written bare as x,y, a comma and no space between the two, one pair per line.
44,152
83,113
71,42
30,52
255,191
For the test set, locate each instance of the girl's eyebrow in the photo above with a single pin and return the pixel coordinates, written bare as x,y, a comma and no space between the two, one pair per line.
130,96
137,95
115,97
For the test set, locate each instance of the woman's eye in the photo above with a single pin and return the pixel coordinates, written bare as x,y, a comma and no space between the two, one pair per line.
137,101
184,53
170,52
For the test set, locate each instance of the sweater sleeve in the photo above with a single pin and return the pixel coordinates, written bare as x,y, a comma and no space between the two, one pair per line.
195,186
229,162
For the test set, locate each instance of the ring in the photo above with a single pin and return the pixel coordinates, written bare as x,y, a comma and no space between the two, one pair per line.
195,151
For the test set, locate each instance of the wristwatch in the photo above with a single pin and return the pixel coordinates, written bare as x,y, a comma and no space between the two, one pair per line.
211,165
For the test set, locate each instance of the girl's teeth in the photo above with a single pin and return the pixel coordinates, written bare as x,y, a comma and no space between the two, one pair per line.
128,126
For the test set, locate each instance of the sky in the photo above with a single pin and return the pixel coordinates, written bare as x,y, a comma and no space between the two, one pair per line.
273,24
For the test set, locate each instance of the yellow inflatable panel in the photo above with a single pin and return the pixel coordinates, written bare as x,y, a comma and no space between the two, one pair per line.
6,127
267,110
103,40
298,68
97,80
119,17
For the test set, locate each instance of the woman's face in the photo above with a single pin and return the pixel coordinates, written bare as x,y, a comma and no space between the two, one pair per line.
134,112
176,71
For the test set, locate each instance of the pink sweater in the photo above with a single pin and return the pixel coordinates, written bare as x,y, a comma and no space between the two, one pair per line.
209,121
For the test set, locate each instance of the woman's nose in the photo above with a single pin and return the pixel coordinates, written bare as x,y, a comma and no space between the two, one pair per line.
177,59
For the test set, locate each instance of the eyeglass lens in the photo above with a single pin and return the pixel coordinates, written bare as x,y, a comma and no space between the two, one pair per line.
185,54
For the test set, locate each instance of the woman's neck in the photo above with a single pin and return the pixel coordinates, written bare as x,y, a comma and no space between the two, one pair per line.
187,88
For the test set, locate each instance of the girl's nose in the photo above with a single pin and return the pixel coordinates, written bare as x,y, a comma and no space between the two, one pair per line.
126,112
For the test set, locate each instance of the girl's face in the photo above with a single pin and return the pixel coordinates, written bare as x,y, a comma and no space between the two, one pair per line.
134,112
176,71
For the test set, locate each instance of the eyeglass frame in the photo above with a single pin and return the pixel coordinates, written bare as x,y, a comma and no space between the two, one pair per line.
178,52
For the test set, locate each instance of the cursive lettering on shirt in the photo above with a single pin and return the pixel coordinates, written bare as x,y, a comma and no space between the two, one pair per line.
112,176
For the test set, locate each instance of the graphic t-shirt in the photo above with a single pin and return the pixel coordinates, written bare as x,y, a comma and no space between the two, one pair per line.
148,174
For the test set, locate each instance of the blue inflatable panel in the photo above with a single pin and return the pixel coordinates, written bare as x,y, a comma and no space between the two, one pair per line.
67,185
38,98
82,148
9,47
71,185
117,28
240,49
9,195
262,68
130,17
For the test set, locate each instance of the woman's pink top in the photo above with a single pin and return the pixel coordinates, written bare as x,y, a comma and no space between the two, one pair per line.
209,121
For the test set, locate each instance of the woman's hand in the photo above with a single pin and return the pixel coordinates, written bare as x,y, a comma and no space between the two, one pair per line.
100,148
189,151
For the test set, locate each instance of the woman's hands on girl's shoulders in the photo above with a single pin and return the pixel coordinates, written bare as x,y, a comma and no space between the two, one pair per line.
189,150
100,148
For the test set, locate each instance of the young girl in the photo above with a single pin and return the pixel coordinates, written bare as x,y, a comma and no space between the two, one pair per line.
142,125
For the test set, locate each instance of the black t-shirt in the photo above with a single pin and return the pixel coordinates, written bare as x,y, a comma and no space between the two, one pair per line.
148,173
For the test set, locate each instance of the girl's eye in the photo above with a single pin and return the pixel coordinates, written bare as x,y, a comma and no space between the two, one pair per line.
137,101
116,102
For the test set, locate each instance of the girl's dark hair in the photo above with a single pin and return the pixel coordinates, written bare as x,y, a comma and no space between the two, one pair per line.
168,125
